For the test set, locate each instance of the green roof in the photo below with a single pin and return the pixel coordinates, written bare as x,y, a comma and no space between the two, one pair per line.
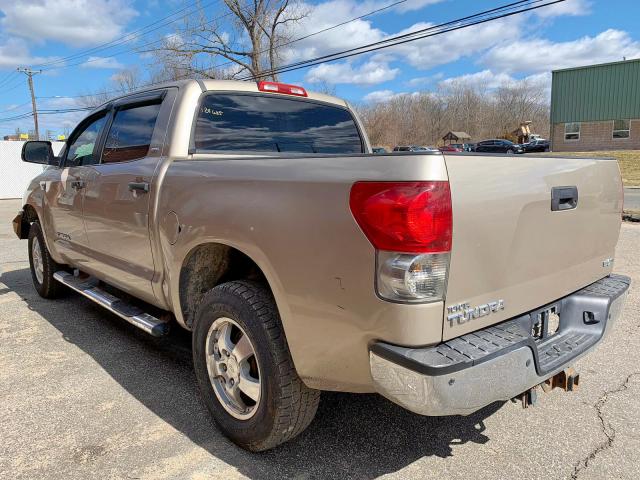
595,93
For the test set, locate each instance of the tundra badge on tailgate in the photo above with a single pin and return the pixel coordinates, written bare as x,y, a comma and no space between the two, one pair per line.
464,312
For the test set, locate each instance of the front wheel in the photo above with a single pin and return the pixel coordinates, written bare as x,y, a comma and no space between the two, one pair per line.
42,265
510,152
244,368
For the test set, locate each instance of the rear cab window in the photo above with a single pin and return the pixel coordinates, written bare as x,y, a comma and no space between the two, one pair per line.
263,123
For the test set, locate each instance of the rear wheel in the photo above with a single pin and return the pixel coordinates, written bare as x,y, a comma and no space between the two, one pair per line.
42,265
244,368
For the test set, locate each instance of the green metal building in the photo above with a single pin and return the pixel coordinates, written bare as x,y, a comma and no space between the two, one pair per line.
596,107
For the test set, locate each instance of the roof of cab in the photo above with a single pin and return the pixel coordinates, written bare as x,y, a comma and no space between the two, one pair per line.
228,85
245,86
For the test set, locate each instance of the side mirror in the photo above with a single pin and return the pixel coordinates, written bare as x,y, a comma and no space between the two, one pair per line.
38,152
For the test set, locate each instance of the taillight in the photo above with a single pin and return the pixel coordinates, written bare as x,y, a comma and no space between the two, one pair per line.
282,88
410,224
408,217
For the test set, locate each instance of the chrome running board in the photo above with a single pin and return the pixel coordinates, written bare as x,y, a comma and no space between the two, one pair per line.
135,316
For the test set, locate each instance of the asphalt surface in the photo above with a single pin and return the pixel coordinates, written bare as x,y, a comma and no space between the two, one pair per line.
632,199
85,395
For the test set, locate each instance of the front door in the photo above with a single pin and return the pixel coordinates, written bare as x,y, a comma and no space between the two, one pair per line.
64,193
117,199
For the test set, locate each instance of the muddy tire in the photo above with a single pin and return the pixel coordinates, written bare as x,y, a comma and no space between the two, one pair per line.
244,368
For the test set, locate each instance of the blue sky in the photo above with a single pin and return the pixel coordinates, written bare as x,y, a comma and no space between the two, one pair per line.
525,47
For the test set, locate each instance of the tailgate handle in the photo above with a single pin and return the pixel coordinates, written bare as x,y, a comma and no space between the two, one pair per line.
564,198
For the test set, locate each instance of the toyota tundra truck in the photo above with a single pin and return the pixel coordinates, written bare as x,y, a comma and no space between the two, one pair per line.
256,216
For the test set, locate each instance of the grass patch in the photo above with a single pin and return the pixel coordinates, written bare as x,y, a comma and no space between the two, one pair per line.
629,161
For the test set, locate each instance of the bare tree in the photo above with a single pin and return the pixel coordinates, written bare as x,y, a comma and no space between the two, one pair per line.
127,80
325,87
424,118
123,82
251,46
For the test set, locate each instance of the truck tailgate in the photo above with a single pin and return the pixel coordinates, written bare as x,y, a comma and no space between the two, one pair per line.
510,248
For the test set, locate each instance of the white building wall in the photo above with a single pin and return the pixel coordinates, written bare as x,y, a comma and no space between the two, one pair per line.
14,173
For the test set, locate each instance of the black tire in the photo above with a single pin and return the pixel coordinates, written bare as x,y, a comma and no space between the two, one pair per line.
510,152
287,406
48,287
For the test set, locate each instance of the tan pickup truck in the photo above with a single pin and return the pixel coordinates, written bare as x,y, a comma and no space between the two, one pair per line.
255,216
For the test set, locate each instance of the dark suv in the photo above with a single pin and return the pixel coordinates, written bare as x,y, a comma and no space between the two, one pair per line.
498,146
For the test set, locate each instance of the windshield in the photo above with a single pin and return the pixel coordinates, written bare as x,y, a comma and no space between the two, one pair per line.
261,123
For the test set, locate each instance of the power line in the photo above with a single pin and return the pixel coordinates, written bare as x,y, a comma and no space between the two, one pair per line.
144,45
140,32
511,10
317,60
497,13
263,51
17,117
15,107
24,115
155,42
332,27
7,78
378,10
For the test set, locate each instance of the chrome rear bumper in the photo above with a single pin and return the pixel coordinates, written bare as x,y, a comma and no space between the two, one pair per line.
465,374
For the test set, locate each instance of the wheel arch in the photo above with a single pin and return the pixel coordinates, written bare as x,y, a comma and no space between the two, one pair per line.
29,215
209,264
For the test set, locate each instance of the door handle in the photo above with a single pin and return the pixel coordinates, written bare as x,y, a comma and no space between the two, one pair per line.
142,187
77,184
564,198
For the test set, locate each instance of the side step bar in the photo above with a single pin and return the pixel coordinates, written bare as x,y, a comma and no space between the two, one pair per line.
132,314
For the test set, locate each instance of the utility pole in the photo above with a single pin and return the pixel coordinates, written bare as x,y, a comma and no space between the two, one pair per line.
30,73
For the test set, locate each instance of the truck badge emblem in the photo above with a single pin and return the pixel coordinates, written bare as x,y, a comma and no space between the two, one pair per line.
464,312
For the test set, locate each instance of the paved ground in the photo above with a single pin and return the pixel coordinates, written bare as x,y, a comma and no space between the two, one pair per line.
83,395
632,199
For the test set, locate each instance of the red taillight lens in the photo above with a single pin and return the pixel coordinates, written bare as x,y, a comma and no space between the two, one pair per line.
282,88
409,217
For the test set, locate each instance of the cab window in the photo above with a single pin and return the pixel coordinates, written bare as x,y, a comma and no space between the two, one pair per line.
130,134
81,150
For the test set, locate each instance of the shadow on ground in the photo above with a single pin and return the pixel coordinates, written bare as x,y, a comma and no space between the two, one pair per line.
354,436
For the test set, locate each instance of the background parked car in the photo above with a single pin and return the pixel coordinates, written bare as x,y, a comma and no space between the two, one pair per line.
498,146
540,145
465,147
379,150
414,148
450,148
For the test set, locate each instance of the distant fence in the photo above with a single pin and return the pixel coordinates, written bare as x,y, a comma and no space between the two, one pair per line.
14,173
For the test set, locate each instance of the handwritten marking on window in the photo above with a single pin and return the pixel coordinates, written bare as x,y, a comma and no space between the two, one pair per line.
211,111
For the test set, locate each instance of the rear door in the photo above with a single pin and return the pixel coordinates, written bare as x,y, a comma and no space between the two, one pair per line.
119,191
500,146
509,244
485,146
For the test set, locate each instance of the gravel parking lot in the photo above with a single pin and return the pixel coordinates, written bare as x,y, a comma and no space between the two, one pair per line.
85,395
